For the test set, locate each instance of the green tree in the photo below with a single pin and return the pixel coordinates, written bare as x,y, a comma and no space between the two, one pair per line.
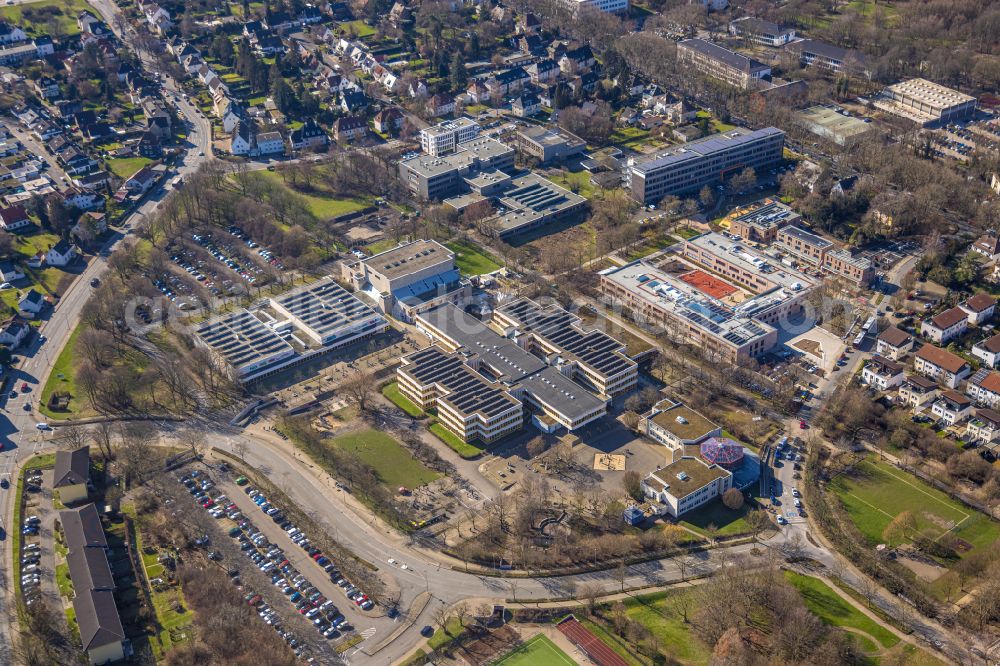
459,76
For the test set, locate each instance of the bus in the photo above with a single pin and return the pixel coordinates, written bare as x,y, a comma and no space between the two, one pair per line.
177,182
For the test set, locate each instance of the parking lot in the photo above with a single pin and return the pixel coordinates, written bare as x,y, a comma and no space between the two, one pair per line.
293,587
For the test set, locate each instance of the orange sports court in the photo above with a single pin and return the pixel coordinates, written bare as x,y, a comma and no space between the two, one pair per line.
708,284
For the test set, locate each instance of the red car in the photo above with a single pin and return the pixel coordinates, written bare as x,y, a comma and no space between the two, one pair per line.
254,600
24,387
802,425
317,556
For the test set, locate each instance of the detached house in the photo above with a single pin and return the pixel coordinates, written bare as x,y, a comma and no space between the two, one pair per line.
61,254
14,218
140,182
440,105
882,373
988,246
309,136
72,472
9,271
894,343
543,71
269,143
31,304
952,407
348,128
388,120
241,139
941,365
577,60
946,326
13,333
979,308
526,105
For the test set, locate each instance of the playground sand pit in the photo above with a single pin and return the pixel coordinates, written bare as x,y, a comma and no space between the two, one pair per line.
609,462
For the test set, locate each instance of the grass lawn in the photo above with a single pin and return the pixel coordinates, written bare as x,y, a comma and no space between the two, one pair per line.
63,378
464,449
472,260
629,137
391,391
578,182
538,651
381,246
63,11
359,28
878,492
677,638
322,206
124,167
452,629
728,522
830,607
63,582
394,464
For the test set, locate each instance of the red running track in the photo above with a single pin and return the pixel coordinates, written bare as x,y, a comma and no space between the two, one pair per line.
596,649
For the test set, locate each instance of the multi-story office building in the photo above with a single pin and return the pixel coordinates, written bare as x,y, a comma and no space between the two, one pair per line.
730,330
409,278
608,6
438,177
443,138
926,103
545,390
824,255
760,221
763,33
691,166
676,425
686,484
827,56
720,63
547,144
593,358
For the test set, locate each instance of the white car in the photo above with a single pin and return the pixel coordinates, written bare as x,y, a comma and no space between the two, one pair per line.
6,285
43,426
781,520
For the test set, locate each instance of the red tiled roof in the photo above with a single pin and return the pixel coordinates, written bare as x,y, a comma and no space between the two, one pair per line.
948,318
991,382
956,397
980,302
991,345
941,358
894,337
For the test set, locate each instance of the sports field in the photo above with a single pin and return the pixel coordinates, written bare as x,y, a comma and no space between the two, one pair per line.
538,651
877,492
709,284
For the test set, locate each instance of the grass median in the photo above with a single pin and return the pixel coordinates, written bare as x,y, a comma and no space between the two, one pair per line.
464,449
396,397
834,610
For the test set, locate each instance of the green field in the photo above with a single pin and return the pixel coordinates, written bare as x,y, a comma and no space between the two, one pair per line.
677,638
827,605
578,182
391,392
464,449
359,28
124,167
320,205
394,464
727,521
47,16
63,378
537,651
472,260
878,492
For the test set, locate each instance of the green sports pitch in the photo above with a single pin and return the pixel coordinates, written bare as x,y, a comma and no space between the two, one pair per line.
539,651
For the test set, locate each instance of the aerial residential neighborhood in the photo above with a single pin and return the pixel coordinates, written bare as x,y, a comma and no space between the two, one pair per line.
553,332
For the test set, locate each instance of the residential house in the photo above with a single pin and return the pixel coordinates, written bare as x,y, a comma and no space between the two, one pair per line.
148,145
47,88
241,139
526,105
78,198
942,365
477,92
945,326
440,105
979,308
14,218
893,343
308,137
882,373
232,116
11,34
74,161
507,82
353,101
72,474
984,388
139,183
31,304
988,246
269,143
61,254
988,351
91,25
984,427
531,44
67,108
10,271
269,45
578,60
951,407
389,120
349,128
90,225
44,46
13,333
93,180
543,71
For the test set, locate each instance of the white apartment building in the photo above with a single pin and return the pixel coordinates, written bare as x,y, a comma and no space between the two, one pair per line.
686,484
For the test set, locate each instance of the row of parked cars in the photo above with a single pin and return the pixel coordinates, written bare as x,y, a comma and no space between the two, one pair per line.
268,256
199,485
299,538
31,553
